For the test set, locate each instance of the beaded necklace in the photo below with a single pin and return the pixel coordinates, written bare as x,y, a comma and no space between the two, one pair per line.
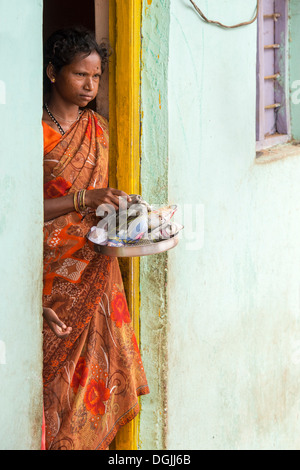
55,120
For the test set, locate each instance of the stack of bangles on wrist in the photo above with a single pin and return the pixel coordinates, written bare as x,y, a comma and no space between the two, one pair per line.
79,200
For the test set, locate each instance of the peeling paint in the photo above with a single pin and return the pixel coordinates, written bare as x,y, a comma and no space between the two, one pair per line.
149,2
233,306
154,183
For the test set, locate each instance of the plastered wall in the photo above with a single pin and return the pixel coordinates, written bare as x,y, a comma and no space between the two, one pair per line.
233,304
220,313
21,222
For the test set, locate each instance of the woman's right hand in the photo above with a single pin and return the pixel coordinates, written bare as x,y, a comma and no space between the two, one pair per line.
56,325
93,198
96,197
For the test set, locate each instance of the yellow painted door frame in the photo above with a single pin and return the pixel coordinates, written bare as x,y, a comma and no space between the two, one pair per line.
124,123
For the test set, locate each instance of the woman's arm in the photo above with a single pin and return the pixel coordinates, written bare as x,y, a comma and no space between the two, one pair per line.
54,208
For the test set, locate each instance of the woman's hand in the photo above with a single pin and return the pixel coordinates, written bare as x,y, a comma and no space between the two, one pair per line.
56,207
56,325
96,197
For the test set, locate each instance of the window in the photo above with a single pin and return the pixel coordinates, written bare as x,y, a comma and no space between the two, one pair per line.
272,115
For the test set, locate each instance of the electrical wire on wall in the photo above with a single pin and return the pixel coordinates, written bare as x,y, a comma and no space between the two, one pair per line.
217,23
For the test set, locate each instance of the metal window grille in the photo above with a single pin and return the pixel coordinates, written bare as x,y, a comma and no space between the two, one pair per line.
272,117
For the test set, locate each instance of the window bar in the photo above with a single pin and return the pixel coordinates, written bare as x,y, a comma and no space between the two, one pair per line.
275,16
272,46
272,77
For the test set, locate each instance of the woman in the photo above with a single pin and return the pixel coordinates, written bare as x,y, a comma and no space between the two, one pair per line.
94,374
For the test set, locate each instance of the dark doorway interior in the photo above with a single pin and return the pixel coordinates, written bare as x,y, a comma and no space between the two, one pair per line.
64,13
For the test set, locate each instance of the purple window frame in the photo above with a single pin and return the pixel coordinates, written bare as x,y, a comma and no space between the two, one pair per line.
281,132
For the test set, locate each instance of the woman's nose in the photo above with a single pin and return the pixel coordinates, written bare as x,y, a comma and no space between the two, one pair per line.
88,85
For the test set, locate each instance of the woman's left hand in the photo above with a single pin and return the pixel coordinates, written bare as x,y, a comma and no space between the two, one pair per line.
55,324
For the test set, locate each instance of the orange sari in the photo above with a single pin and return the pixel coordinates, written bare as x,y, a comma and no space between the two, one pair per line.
92,379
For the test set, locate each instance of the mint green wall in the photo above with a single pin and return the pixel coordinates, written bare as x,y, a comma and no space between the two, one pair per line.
295,67
220,323
21,220
233,305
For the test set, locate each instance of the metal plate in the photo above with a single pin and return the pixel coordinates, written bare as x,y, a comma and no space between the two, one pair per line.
140,249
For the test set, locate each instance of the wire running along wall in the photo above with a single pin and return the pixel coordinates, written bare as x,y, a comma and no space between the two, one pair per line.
217,23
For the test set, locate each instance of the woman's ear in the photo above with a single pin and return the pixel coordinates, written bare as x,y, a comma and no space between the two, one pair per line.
50,71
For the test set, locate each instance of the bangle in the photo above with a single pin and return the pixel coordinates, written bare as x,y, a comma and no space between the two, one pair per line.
75,201
81,204
79,200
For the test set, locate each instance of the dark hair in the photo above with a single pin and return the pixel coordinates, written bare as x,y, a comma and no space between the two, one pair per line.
63,45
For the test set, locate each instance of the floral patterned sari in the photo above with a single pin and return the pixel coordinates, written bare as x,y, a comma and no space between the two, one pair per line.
92,379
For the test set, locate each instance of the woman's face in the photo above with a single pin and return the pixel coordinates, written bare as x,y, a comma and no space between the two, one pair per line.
78,82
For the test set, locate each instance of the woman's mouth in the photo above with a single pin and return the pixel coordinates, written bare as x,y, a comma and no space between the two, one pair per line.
87,97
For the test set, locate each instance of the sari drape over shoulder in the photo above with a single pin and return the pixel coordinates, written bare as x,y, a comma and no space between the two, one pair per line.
92,379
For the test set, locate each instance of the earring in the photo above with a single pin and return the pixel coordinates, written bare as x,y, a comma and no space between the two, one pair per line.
53,80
